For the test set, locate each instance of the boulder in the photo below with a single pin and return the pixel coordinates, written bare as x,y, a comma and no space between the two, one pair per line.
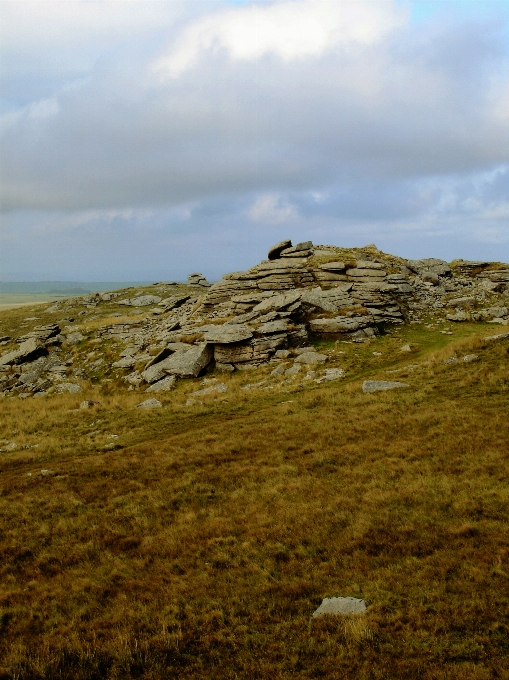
225,368
30,349
275,251
461,303
74,338
189,364
458,316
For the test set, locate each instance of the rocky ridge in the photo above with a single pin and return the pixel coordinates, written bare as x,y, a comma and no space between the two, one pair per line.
252,318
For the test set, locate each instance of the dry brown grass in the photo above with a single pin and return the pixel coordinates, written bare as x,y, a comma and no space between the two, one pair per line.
198,542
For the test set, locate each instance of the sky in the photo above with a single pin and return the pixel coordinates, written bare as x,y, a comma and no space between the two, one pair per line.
147,140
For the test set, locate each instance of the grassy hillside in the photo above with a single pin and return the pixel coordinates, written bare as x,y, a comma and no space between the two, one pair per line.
195,541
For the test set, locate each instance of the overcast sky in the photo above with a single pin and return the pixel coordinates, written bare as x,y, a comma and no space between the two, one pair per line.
146,140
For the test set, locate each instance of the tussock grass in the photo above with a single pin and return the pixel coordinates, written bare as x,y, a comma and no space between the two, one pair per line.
198,542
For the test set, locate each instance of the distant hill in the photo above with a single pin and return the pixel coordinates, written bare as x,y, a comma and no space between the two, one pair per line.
66,287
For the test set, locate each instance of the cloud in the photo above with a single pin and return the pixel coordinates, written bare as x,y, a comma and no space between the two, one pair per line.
271,209
290,30
316,117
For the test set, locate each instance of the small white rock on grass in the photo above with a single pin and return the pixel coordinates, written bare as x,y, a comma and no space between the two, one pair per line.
340,606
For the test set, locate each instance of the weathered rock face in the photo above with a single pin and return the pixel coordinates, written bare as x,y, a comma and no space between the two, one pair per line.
30,349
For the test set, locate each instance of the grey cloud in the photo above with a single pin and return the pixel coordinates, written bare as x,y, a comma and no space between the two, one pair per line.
107,169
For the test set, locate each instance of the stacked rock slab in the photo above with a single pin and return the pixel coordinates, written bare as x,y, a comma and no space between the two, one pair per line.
198,280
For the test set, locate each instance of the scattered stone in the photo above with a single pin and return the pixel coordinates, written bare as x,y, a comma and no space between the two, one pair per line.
311,358
330,374
499,336
303,350
341,606
7,448
48,473
458,317
282,354
213,389
74,338
279,370
225,368
126,362
293,370
451,360
163,385
470,357
407,348
67,388
377,385
149,403
140,301
252,386
461,302
88,403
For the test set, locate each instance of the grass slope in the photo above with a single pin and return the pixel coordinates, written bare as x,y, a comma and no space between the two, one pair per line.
198,541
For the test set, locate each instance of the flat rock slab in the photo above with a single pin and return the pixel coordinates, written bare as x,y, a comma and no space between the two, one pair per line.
227,334
279,326
278,302
340,324
499,336
275,250
149,403
163,385
381,385
339,606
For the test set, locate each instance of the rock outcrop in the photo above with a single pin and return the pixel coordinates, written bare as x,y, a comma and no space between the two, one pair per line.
253,317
